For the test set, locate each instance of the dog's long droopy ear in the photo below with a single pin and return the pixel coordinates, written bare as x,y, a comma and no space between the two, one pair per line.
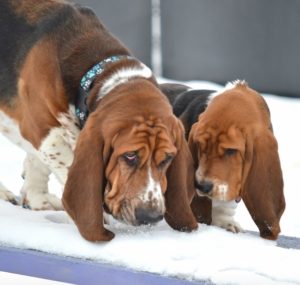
201,206
83,193
202,209
193,146
263,185
180,189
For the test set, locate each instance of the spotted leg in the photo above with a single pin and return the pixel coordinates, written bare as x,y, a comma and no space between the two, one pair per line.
34,192
7,195
223,216
57,153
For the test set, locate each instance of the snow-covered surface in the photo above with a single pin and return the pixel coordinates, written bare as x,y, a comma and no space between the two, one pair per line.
209,253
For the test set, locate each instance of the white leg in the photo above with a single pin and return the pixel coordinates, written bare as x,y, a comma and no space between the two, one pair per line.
223,216
57,154
35,188
7,195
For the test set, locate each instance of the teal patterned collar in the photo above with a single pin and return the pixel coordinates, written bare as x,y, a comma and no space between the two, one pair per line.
86,82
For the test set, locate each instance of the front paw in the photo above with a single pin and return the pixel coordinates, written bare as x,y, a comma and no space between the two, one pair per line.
228,224
8,196
42,201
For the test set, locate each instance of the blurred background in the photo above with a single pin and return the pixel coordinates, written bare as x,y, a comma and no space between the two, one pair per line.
214,40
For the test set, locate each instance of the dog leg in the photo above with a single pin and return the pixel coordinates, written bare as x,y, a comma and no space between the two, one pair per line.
7,195
35,188
223,216
57,154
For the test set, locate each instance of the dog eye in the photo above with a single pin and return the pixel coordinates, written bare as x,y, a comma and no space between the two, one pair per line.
230,151
131,158
168,159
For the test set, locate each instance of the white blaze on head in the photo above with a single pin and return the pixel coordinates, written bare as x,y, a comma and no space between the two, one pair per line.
153,193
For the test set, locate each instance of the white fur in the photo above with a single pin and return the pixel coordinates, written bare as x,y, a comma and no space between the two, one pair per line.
122,76
153,193
10,129
234,83
56,150
5,194
223,215
55,154
69,123
230,85
222,190
35,188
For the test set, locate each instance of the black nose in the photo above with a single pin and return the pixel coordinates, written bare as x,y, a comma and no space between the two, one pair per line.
146,216
204,186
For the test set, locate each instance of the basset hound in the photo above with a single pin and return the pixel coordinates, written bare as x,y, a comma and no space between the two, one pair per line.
84,109
235,153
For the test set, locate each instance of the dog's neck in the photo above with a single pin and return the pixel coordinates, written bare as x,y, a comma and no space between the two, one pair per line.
102,78
123,75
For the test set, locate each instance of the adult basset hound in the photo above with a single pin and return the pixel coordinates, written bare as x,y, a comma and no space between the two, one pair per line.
235,152
83,108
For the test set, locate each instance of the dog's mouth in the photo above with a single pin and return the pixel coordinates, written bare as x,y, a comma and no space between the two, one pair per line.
204,188
133,211
212,191
135,214
201,194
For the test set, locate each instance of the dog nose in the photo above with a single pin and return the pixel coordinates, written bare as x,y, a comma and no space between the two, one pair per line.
204,186
146,216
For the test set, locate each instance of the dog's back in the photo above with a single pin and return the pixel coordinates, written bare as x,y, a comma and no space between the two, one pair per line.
23,24
187,103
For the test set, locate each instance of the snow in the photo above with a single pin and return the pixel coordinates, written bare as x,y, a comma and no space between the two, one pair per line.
210,253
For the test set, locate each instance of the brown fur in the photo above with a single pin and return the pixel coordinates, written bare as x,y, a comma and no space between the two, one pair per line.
239,120
133,117
35,10
40,72
116,132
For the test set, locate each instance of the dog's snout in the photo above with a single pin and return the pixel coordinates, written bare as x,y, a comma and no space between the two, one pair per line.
205,186
146,216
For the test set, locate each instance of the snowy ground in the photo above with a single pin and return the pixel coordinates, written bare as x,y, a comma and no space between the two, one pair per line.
209,253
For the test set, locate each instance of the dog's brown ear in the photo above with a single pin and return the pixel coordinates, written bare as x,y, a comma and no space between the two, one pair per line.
263,184
180,187
201,206
202,209
83,193
193,146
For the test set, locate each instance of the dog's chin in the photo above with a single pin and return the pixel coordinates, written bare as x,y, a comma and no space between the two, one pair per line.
201,194
223,198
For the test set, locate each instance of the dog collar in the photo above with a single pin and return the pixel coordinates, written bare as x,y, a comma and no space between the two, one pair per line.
86,81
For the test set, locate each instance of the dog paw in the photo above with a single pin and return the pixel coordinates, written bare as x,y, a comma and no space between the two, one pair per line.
234,228
39,202
8,196
229,225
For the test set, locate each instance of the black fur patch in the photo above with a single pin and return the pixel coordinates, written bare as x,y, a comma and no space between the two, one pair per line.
17,37
187,104
14,31
193,102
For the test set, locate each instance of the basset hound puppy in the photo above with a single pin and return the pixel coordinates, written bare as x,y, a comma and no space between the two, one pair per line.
84,109
235,153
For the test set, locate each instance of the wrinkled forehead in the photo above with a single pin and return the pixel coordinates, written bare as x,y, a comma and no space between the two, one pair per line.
146,135
214,138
